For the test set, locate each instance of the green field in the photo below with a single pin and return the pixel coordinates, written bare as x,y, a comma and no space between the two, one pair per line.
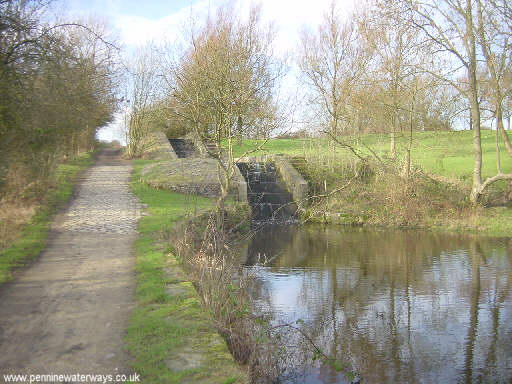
387,199
448,154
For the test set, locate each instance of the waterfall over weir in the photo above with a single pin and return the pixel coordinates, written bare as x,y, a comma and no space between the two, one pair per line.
184,148
266,194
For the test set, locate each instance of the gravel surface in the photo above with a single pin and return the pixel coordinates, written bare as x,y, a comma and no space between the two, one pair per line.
67,312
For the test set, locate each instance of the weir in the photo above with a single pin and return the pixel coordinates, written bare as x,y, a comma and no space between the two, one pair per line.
184,148
270,184
266,193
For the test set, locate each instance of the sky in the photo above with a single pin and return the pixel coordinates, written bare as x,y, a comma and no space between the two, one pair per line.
142,21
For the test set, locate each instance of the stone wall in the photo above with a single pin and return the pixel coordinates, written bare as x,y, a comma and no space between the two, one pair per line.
197,143
159,147
293,180
192,176
238,180
198,176
188,175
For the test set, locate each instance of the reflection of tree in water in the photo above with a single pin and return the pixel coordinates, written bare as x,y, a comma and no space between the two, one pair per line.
400,306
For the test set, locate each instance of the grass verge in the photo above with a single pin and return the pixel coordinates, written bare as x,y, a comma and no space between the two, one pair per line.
170,336
32,239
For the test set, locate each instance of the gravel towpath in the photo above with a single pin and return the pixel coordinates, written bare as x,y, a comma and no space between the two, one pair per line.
67,313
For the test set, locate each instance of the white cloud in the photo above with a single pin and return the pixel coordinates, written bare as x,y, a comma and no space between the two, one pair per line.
136,30
289,17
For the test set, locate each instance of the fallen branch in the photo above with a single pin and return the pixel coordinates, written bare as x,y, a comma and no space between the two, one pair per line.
351,148
498,177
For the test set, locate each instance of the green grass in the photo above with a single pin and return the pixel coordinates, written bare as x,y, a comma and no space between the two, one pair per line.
447,154
32,240
496,222
164,326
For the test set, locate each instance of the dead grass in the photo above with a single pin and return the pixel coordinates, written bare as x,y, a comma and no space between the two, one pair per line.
379,193
26,209
20,199
14,215
210,258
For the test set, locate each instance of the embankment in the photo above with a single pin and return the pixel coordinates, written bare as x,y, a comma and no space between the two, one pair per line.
171,335
381,194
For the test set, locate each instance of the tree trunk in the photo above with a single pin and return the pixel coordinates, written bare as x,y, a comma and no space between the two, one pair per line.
394,120
239,135
411,124
501,127
477,149
221,201
474,105
498,158
226,171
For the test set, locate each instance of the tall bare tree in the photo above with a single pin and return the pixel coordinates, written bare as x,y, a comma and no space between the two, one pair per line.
223,85
494,41
145,91
397,53
332,60
458,29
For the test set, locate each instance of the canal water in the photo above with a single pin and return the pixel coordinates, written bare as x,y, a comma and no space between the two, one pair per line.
396,306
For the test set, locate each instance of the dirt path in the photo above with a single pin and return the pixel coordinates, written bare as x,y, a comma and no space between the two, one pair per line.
67,313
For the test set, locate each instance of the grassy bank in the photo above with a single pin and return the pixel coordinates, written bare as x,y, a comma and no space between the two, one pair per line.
436,196
448,154
384,197
170,335
29,239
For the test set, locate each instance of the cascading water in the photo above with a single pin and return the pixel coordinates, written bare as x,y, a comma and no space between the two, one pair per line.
184,148
267,196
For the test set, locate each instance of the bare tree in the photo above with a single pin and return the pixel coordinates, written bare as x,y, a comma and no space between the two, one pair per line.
457,29
223,85
397,53
331,61
494,41
145,91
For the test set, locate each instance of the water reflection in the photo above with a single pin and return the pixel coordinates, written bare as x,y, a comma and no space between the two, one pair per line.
400,306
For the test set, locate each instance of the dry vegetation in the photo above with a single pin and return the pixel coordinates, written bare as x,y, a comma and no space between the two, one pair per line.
58,80
211,258
13,216
379,192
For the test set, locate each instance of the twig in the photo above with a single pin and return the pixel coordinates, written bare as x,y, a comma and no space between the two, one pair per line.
351,148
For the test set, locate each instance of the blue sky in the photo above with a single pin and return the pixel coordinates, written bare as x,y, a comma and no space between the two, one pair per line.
148,9
137,22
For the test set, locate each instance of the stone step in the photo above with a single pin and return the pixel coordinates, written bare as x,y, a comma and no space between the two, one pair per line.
211,147
264,187
267,211
267,197
184,148
261,178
